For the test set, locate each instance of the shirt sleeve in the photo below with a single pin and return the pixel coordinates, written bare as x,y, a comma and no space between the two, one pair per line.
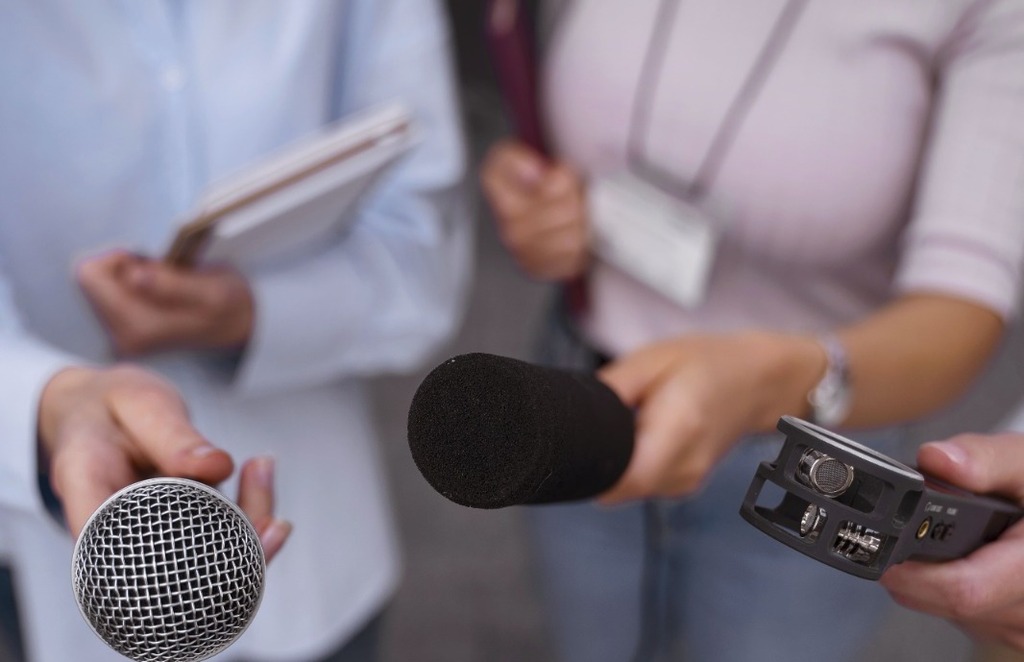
28,364
387,295
966,237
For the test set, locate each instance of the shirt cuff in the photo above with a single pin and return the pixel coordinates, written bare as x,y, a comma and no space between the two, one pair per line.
28,368
301,320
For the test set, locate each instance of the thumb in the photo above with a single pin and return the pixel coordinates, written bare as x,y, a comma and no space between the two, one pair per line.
986,464
156,425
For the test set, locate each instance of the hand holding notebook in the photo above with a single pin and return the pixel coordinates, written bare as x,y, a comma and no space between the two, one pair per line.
307,192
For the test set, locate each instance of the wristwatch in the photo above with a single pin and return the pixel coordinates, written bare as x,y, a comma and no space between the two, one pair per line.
831,399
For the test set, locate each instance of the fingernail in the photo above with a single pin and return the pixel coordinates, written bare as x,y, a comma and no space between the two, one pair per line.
529,172
265,471
275,534
953,452
200,452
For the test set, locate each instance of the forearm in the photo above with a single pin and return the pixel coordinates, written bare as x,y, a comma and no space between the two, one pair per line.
907,360
388,299
916,356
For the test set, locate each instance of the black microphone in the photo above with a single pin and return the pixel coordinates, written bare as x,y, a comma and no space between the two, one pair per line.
488,431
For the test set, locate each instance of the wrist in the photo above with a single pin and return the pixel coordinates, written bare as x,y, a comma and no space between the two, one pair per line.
53,403
791,367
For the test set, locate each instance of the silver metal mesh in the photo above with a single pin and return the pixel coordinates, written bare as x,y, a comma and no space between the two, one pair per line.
168,570
831,476
827,475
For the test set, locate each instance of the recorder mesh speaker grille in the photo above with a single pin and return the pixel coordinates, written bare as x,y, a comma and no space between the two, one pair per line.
168,570
831,476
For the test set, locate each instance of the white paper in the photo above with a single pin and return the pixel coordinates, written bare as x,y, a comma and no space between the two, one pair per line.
664,242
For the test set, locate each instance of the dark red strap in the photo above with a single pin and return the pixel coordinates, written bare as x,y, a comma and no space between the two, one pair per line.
510,37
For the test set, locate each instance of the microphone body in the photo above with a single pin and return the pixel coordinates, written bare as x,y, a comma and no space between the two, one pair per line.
168,570
488,432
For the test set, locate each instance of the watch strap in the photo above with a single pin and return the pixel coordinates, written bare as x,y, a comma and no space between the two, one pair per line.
831,399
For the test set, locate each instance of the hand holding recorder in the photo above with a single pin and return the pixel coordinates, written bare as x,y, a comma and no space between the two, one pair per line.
983,593
861,512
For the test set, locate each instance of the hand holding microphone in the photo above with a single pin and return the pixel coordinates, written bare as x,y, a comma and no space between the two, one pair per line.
101,430
488,431
697,395
166,568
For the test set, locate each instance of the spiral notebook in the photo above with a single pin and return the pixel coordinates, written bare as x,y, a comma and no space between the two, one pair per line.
304,194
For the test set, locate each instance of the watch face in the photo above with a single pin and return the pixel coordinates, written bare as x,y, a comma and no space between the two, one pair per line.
830,401
831,398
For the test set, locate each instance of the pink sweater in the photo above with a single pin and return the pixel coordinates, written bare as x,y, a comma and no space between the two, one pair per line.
884,153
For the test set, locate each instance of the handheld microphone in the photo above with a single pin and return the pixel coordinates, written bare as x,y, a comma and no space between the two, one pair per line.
168,570
852,508
488,432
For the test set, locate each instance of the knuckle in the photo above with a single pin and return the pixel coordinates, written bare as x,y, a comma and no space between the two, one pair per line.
136,384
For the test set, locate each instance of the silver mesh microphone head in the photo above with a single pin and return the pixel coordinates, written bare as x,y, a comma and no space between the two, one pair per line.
168,570
827,475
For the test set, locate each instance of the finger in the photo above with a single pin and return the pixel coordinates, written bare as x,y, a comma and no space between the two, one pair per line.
560,181
510,183
256,490
518,165
530,227
256,499
154,419
510,204
631,376
274,536
983,582
554,214
664,461
124,316
988,464
100,280
167,285
558,258
105,265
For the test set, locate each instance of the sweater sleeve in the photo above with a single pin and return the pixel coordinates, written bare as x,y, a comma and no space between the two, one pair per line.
966,236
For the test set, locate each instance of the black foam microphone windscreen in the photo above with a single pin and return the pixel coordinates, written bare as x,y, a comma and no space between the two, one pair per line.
488,431
168,570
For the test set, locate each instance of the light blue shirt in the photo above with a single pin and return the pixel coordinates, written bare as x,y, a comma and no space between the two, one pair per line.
114,116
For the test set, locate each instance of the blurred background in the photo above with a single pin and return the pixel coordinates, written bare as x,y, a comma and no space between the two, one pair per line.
469,593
